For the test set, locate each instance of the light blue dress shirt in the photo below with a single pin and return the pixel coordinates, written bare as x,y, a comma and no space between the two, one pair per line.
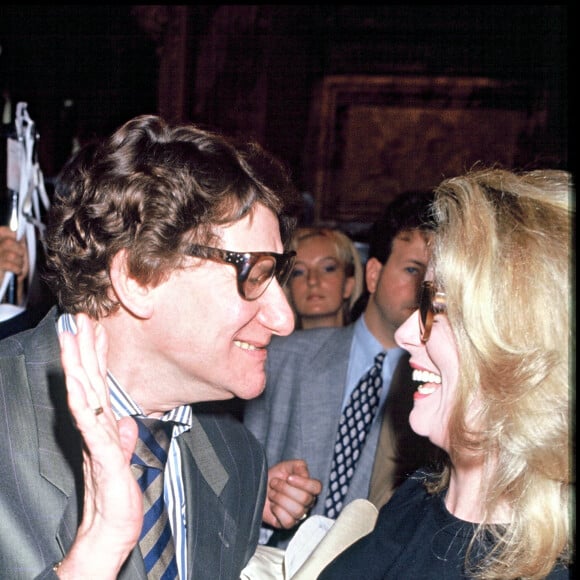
363,351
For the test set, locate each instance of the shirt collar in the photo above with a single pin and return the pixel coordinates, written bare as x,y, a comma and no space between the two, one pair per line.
366,346
123,405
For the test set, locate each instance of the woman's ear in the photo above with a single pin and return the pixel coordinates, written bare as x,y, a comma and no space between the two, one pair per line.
133,296
372,274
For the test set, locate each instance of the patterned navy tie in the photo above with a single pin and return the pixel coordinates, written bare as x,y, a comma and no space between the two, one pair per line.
355,423
148,463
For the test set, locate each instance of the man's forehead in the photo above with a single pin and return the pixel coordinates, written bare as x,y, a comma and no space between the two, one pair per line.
412,245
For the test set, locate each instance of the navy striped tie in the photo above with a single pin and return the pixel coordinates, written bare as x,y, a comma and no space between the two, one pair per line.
148,463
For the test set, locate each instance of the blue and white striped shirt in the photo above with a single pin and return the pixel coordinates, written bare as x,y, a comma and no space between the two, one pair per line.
123,406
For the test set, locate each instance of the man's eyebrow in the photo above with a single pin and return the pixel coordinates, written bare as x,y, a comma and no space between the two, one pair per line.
418,262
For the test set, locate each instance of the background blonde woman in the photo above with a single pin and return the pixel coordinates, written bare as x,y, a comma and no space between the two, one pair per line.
327,278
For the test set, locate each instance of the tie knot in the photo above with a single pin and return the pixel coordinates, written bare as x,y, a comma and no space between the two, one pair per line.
380,358
153,442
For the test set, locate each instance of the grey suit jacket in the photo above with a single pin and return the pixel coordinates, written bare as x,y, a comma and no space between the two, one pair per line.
41,489
297,415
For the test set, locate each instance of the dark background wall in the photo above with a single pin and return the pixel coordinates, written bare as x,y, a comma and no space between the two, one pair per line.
81,69
263,70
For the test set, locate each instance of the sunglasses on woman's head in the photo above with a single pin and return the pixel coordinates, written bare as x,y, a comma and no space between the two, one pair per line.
431,303
255,270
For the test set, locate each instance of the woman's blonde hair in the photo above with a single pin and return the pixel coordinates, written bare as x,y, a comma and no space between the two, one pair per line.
346,253
502,255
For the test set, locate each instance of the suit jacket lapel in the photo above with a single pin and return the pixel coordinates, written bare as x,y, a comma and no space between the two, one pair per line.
59,445
204,479
206,459
320,421
400,450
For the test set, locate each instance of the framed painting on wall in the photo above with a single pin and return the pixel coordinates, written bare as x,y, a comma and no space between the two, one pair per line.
372,138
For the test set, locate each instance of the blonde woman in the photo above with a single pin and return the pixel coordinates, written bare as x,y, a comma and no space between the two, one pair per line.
490,346
327,278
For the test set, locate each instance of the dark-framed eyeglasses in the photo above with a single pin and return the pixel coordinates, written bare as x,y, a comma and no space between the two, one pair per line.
431,303
255,270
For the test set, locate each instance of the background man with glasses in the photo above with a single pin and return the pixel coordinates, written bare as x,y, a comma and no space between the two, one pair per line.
165,251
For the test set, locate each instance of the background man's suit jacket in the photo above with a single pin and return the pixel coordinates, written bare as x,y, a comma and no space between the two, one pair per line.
224,472
297,415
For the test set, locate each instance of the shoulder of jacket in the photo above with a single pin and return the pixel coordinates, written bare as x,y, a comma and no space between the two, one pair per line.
306,339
